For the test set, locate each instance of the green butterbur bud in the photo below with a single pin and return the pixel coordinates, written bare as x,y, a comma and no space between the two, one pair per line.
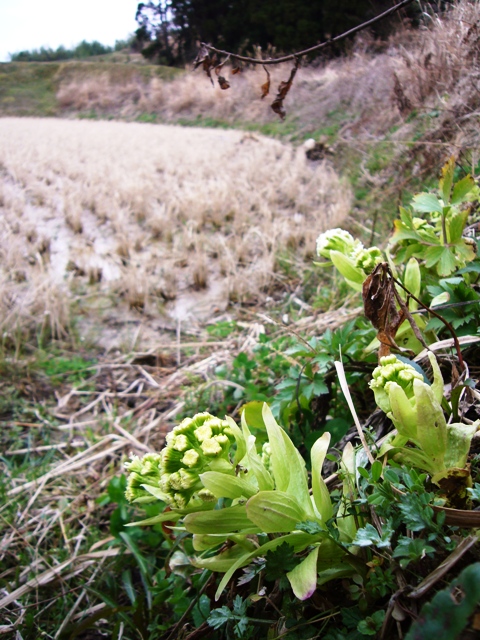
211,447
335,240
367,259
203,433
191,457
144,471
392,370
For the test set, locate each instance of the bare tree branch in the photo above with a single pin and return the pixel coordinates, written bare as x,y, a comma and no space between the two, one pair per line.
317,47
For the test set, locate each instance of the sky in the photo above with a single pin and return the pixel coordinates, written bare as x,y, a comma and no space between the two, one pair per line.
31,24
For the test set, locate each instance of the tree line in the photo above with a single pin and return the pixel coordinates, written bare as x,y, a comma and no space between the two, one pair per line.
169,31
83,50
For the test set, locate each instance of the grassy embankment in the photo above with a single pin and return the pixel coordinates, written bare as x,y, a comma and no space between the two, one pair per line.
69,413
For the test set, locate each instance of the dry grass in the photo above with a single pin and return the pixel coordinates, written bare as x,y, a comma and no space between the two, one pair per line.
155,213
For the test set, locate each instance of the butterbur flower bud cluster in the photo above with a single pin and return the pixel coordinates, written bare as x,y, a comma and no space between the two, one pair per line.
336,240
367,259
196,445
144,471
392,370
348,255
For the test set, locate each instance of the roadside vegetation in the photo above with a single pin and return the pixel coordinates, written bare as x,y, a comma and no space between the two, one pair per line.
151,273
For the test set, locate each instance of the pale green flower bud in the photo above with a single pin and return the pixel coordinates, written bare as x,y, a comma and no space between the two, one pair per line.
206,496
191,457
180,443
144,471
335,240
211,447
367,259
203,433
392,370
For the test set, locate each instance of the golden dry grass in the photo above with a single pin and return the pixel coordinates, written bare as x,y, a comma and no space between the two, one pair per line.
174,222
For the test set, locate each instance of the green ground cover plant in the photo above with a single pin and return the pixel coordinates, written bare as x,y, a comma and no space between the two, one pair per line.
245,506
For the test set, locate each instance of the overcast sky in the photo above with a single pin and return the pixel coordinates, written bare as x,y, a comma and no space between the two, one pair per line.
31,24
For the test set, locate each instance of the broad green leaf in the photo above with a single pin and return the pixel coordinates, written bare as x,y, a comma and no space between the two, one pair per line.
437,384
412,278
433,255
446,180
426,203
461,188
347,267
303,578
223,561
403,414
298,540
135,551
253,414
340,570
442,298
459,439
228,520
275,511
204,541
225,486
239,439
431,425
321,494
255,464
456,225
447,263
166,516
288,466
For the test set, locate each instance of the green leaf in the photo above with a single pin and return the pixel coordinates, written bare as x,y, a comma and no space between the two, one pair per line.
255,464
135,551
279,561
372,624
298,540
223,561
219,617
166,516
239,439
303,578
456,225
447,263
368,536
347,267
426,203
309,526
446,180
431,425
461,188
225,486
376,470
287,464
321,494
445,617
253,414
228,520
275,511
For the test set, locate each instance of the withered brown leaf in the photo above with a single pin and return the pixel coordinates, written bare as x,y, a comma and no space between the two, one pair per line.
283,89
224,84
380,308
266,86
236,70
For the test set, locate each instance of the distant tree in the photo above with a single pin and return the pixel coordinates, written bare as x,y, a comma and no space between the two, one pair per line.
83,50
170,30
